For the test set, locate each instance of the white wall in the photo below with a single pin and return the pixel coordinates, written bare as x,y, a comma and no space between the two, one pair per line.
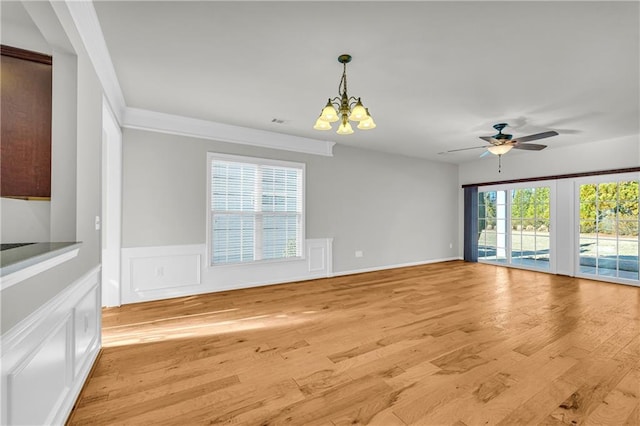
63,147
24,221
21,32
396,210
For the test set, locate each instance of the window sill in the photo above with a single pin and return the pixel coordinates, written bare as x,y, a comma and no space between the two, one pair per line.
258,262
18,264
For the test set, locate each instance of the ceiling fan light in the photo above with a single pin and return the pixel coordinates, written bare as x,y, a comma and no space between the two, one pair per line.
322,124
500,149
345,128
329,113
359,112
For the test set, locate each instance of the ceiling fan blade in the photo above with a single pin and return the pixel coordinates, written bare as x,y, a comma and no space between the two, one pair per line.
461,149
486,138
529,146
536,136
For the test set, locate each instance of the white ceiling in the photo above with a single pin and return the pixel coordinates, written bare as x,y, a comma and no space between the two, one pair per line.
434,75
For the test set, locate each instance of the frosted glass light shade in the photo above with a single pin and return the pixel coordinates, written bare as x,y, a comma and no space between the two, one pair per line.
500,149
367,123
322,124
358,113
329,113
345,128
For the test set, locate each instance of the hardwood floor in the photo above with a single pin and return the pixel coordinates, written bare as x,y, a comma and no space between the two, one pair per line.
450,343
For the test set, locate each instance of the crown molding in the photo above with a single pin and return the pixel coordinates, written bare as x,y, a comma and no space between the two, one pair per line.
135,118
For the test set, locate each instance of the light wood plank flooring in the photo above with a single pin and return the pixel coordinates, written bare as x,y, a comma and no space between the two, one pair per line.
451,343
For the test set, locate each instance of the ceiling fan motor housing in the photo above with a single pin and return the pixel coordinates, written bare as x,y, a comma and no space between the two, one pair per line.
503,137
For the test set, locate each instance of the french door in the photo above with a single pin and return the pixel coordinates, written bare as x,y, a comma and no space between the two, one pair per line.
515,226
585,227
607,242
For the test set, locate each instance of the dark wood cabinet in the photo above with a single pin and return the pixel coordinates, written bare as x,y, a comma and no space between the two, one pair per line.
25,120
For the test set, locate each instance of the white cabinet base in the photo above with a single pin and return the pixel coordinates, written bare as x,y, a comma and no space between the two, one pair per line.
47,357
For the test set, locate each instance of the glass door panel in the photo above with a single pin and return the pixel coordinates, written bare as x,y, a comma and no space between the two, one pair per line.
517,252
514,227
628,224
486,220
542,251
501,226
608,240
530,227
491,226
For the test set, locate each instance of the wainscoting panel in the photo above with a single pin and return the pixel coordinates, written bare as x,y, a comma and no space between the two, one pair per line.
40,378
153,273
47,357
87,330
316,255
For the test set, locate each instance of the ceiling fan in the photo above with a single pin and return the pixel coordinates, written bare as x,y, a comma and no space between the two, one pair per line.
501,143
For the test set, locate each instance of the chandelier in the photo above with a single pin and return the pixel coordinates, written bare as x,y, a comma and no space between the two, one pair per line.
344,108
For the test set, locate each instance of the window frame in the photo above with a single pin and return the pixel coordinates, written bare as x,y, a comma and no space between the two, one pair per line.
212,156
564,210
509,187
599,179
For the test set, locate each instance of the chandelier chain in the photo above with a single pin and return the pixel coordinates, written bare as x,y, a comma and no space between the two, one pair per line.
343,80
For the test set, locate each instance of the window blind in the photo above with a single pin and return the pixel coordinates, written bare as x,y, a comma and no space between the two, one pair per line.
256,210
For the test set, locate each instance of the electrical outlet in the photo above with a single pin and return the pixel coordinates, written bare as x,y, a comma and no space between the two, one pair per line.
359,253
450,245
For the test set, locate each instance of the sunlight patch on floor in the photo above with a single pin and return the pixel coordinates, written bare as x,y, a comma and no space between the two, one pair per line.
183,327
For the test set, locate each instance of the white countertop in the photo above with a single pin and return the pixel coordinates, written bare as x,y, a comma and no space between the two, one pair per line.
20,263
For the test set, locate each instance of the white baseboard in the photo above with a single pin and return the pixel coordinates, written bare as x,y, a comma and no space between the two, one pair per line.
154,273
47,357
400,265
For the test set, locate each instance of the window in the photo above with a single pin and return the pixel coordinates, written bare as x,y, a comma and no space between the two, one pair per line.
256,209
